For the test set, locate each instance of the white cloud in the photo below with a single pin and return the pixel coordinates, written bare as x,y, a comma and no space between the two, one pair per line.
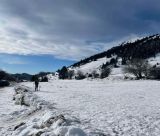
29,43
61,30
18,38
32,47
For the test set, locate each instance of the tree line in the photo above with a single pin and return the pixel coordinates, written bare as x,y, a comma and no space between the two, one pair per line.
140,68
66,73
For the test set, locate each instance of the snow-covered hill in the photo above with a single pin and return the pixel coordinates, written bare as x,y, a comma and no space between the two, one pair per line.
147,48
53,76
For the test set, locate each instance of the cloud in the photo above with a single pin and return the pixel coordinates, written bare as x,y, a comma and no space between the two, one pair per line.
73,29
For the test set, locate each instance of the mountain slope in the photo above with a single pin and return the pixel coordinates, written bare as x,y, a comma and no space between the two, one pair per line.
142,48
116,57
23,76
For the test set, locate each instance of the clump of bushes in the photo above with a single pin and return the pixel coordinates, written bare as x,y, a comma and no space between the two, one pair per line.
39,78
80,75
44,79
4,83
95,74
154,73
65,73
105,72
138,67
70,74
114,62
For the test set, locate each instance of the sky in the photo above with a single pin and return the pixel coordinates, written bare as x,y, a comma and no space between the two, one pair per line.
44,35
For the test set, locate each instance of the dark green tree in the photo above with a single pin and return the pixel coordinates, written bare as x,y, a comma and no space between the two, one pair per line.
63,73
2,74
105,72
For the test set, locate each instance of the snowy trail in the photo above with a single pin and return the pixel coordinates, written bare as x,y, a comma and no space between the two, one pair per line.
7,105
114,108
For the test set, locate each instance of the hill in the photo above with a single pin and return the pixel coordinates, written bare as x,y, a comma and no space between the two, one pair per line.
22,77
142,48
116,58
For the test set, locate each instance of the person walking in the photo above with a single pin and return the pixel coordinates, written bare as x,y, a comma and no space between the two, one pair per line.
36,84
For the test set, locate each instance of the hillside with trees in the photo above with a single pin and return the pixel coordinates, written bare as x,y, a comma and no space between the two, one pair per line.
130,57
142,48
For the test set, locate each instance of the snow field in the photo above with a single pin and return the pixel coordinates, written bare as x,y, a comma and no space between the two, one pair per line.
104,107
79,108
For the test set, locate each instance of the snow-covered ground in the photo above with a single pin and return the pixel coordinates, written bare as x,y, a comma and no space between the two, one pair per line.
91,66
115,108
7,107
77,108
35,116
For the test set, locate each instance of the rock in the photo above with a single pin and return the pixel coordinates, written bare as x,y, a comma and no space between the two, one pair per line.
19,125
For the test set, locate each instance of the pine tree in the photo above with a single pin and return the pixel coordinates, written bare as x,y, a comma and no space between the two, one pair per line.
63,73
